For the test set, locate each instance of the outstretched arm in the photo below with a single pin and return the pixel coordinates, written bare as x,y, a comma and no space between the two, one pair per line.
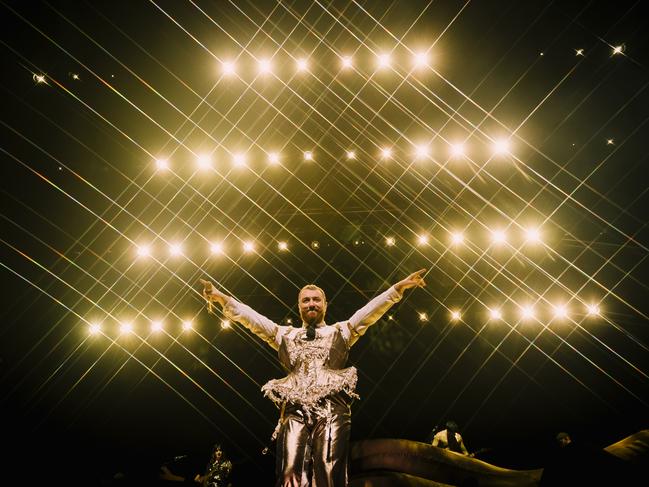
415,279
241,313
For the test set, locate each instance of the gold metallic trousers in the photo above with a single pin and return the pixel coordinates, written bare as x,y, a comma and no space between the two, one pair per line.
312,451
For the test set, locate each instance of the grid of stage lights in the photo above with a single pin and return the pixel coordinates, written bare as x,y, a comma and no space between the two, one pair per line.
515,313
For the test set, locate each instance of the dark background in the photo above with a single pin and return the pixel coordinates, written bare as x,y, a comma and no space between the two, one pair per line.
130,82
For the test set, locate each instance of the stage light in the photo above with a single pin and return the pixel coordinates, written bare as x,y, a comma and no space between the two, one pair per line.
495,314
532,235
346,62
248,247
457,238
143,250
579,52
308,156
618,50
455,315
175,249
289,321
264,66
560,311
423,317
422,151
225,324
420,59
125,328
501,147
302,65
383,60
204,161
386,153
498,237
527,312
389,241
593,310
239,159
610,142
282,246
156,326
75,77
187,325
315,245
422,239
457,150
162,164
273,158
228,68
216,248
39,78
351,155
94,328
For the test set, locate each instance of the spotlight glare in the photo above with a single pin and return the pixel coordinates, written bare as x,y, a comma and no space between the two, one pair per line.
501,147
248,247
383,60
302,64
228,68
273,158
94,328
162,164
239,159
346,62
422,151
579,52
593,310
455,315
187,325
527,312
610,142
265,66
204,161
143,250
560,311
39,78
156,326
420,59
498,237
175,249
422,239
389,241
282,246
308,156
216,248
386,153
532,235
495,314
351,155
457,238
315,245
618,50
126,328
225,324
423,317
457,150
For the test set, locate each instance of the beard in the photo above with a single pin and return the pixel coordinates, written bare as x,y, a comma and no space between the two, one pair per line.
311,319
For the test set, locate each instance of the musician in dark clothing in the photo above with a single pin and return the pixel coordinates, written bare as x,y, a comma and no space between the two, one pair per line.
450,439
217,471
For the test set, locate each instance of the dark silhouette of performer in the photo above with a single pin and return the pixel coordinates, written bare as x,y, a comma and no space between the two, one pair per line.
217,471
450,439
314,398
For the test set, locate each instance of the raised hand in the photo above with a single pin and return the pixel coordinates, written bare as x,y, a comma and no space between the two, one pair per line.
413,280
211,294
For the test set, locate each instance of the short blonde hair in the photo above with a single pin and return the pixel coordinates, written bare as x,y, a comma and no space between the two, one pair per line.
312,287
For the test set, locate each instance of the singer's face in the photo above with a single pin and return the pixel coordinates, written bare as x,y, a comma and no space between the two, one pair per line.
312,306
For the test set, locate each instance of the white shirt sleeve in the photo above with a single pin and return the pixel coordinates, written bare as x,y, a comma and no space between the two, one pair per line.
257,323
357,325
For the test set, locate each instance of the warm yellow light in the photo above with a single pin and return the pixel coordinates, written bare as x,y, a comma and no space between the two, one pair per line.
302,64
532,235
618,50
457,150
422,151
593,310
273,158
265,67
315,245
457,238
495,314
125,328
162,164
498,237
239,159
420,59
289,321
216,247
527,312
282,246
75,77
225,324
94,328
175,249
248,247
346,62
228,68
610,142
187,325
389,241
455,315
422,239
308,156
579,52
560,311
204,161
351,155
143,250
383,60
423,317
386,153
501,146
39,78
156,326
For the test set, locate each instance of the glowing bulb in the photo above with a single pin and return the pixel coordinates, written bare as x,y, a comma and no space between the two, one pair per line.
75,77
187,325
610,141
527,312
457,150
420,59
248,247
125,328
308,156
351,155
216,248
618,50
302,65
455,315
228,68
39,78
532,235
143,250
501,146
495,314
225,324
389,241
457,238
560,311
422,239
175,249
265,66
383,60
162,164
273,158
498,237
315,245
386,153
94,328
282,246
204,161
423,317
422,151
593,310
579,52
346,62
289,321
239,159
156,326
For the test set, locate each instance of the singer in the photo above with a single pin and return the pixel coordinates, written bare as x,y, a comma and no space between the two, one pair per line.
314,398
